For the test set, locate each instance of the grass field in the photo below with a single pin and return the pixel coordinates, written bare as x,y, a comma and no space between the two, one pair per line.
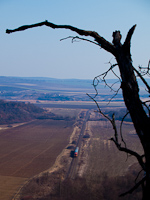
28,150
103,154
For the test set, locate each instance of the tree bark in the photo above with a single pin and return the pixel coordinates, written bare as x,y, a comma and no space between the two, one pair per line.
133,103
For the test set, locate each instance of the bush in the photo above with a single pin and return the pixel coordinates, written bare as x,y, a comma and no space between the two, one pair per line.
103,188
86,136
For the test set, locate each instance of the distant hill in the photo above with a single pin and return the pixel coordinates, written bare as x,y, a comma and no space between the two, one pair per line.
38,88
13,112
17,112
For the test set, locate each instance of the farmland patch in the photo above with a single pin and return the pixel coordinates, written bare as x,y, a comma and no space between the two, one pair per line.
103,154
12,183
29,149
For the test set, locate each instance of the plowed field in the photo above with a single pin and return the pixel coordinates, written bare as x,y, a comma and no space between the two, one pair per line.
30,149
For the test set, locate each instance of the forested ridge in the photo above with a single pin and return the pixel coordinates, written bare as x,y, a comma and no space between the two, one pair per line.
13,112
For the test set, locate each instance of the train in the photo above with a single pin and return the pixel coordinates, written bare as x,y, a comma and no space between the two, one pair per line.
76,152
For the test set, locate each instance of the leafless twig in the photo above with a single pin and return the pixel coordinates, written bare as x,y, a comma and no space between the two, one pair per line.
79,38
138,175
147,106
115,139
121,128
114,95
145,70
100,109
134,188
141,76
101,78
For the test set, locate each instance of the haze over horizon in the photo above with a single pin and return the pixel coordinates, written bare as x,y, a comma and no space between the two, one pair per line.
38,52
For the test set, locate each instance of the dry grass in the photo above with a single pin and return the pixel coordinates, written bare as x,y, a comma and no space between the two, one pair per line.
103,154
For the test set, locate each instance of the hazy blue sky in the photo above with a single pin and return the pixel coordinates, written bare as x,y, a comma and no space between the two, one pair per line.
39,52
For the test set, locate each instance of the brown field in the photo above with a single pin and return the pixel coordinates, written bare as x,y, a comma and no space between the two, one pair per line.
64,112
98,156
29,149
32,148
8,185
103,154
78,104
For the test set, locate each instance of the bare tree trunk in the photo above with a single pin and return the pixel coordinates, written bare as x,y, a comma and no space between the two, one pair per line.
146,189
139,118
134,105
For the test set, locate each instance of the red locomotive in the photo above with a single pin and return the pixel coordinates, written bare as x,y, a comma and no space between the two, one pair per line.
76,152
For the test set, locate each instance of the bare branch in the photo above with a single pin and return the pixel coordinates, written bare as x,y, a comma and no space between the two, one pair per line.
121,128
112,121
100,109
76,37
103,75
144,103
134,188
146,70
114,127
100,40
131,152
114,95
127,42
138,175
116,75
124,149
144,81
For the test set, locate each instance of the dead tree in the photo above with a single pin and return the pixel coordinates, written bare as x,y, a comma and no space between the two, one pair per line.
130,91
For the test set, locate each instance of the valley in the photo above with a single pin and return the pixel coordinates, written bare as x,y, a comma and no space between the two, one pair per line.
40,148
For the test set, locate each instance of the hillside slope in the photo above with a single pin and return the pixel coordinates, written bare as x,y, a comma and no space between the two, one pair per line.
13,112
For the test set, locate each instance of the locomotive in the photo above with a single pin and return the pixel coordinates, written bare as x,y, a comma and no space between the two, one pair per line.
76,152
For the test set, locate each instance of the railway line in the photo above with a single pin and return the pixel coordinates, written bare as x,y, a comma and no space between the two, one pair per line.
74,163
73,166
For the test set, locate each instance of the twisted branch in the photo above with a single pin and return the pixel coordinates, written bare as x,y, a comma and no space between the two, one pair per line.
79,38
134,188
146,70
141,76
100,40
100,109
131,152
98,78
121,128
115,140
127,42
